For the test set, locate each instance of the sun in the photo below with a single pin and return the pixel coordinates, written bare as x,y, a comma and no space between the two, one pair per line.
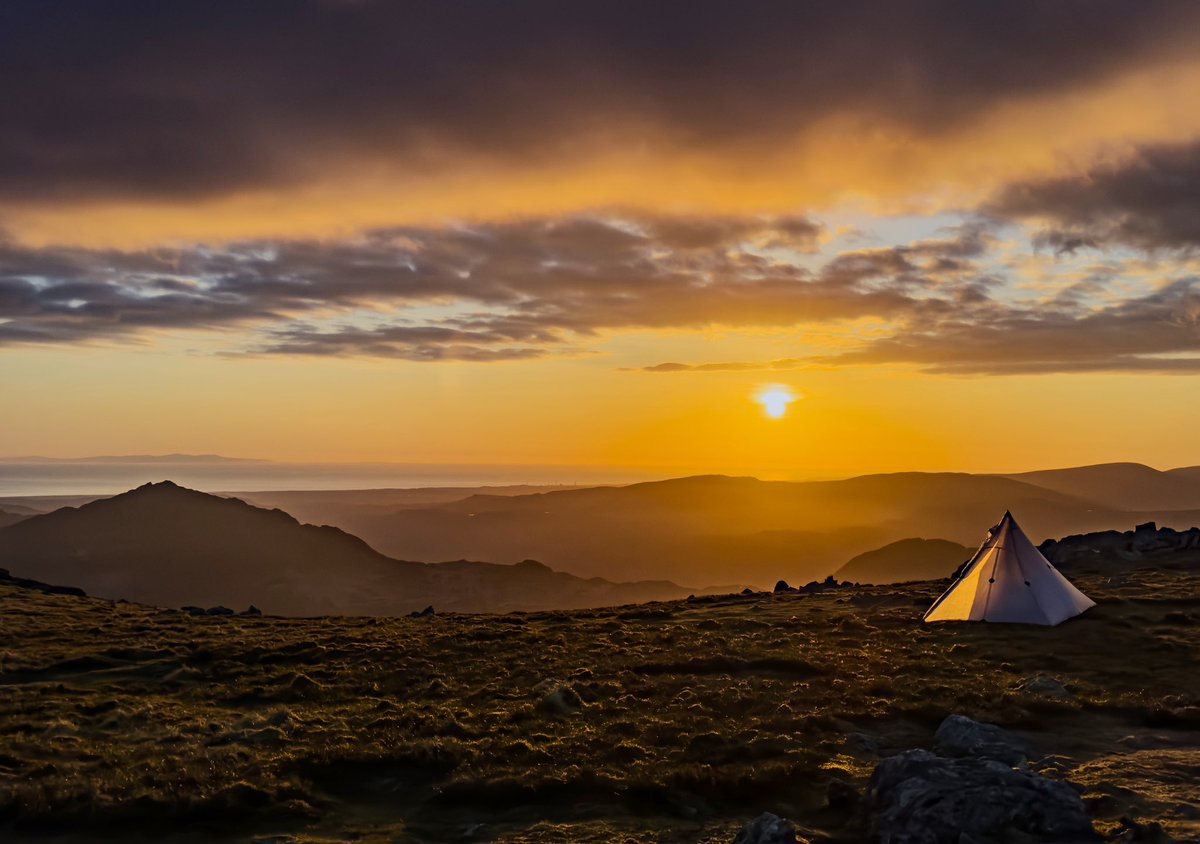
775,400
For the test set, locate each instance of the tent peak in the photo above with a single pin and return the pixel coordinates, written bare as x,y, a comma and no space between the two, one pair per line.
1009,580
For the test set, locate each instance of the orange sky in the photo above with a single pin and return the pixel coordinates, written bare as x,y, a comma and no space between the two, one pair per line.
956,264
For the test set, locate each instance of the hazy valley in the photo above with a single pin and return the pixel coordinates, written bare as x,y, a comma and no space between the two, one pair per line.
686,534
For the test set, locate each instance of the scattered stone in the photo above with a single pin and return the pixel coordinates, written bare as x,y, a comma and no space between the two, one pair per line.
862,744
959,736
767,829
919,798
558,698
1045,686
561,701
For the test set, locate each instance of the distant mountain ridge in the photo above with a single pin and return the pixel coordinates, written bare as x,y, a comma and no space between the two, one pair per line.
714,529
1123,486
170,546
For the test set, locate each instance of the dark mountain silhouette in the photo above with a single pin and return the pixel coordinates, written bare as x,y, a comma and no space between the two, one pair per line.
905,560
8,518
165,545
716,529
1192,473
1123,486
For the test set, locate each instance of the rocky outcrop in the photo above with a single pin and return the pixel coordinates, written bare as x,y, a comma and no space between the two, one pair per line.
825,585
1146,541
767,829
959,737
920,798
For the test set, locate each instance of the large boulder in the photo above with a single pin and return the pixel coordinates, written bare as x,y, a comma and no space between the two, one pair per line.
959,736
919,798
767,829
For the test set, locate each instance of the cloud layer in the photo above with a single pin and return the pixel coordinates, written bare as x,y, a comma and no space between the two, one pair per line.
520,290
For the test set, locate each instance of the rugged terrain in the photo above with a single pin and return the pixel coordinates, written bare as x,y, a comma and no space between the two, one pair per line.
669,722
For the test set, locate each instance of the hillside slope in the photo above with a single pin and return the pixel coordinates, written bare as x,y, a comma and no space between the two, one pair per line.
166,545
905,560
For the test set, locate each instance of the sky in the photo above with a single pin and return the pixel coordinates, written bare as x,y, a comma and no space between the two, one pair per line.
960,236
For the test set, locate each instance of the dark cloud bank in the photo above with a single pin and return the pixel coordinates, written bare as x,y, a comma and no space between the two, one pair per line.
201,97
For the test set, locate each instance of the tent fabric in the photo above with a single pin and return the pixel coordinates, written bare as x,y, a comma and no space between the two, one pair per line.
1008,580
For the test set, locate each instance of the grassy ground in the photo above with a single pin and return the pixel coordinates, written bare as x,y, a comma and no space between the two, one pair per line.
661,722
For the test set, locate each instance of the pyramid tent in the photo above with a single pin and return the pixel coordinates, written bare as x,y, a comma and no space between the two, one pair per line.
1009,580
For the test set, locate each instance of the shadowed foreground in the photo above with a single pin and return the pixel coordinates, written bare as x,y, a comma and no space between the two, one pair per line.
661,722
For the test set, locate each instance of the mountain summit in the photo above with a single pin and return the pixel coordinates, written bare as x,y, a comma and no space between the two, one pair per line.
168,545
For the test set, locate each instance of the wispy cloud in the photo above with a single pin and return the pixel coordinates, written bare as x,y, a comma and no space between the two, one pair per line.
535,288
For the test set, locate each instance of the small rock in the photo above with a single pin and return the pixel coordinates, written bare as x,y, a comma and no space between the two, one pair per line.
1045,686
195,610
422,613
862,744
558,697
747,591
782,586
959,736
218,611
767,829
251,610
561,701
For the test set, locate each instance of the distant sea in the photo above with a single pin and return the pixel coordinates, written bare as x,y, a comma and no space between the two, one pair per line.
87,477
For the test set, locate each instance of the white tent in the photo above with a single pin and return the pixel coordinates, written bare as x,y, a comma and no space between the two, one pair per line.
1008,579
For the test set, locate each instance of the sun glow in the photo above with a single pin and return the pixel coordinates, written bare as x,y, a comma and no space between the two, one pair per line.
775,400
